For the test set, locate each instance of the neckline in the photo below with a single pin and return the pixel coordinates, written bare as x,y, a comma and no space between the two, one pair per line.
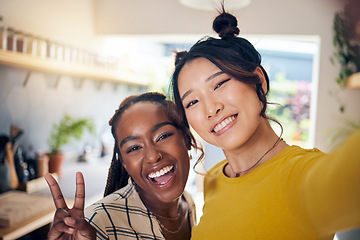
223,176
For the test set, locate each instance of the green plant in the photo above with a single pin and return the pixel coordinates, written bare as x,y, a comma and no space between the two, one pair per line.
347,48
67,129
339,134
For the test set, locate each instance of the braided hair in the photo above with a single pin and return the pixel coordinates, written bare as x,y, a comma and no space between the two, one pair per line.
118,177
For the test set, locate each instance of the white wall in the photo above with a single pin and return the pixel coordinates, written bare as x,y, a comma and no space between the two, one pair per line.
39,104
149,17
67,21
36,106
269,17
84,20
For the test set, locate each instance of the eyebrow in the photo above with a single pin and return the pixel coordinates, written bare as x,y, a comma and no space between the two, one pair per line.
154,129
206,80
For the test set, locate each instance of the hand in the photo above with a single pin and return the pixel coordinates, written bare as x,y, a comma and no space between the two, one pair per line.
69,223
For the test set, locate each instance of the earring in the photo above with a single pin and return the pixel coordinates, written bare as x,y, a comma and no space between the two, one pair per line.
130,180
190,156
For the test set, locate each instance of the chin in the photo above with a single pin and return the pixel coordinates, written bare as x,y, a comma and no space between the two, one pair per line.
170,196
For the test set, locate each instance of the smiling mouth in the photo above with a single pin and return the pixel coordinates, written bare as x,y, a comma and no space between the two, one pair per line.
162,176
224,123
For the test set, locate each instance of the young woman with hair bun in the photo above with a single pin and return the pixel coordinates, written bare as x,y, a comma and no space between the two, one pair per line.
264,189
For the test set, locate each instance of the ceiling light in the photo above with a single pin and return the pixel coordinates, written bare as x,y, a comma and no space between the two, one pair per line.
212,5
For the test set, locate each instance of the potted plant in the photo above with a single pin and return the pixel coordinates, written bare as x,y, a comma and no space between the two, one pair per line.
346,40
68,129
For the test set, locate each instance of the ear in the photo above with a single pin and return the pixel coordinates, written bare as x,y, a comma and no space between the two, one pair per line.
119,158
261,75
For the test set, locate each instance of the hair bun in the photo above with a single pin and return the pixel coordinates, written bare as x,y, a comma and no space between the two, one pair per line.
225,25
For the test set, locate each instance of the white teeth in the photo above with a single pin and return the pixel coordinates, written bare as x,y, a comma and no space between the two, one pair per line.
225,122
161,172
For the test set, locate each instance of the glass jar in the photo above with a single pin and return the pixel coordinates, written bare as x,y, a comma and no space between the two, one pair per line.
10,39
30,44
80,56
50,49
59,49
67,53
74,55
2,34
41,47
19,42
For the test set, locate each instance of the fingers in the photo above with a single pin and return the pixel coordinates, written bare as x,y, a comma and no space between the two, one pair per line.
65,225
55,191
82,227
80,192
86,231
59,228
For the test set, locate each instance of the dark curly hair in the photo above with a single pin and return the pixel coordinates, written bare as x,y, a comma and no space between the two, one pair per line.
118,176
234,55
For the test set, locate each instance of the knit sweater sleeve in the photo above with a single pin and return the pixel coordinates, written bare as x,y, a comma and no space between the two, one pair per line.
330,190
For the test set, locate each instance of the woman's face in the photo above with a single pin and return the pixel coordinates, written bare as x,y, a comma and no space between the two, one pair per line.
153,152
222,110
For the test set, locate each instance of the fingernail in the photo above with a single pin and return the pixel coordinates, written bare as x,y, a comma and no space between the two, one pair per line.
70,221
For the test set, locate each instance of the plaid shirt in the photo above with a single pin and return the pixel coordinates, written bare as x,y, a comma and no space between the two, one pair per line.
122,215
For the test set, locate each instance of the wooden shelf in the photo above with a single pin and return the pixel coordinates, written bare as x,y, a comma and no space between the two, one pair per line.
353,81
20,60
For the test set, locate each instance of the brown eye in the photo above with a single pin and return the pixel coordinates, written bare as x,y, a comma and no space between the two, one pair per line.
191,103
132,149
221,83
164,136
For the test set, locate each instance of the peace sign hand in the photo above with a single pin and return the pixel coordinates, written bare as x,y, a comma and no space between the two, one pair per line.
69,223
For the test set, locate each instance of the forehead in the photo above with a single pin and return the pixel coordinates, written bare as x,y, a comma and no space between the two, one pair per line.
199,69
140,118
200,62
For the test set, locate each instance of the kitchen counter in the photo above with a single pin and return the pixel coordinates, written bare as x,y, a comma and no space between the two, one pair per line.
95,175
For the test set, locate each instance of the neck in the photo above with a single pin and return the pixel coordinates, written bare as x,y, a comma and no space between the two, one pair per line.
259,148
165,209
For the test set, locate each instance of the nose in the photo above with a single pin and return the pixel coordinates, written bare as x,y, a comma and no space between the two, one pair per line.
213,108
152,155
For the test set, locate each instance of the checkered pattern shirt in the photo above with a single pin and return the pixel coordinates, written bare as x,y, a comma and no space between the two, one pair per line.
122,215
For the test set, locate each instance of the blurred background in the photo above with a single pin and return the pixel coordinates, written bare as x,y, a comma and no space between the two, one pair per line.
73,62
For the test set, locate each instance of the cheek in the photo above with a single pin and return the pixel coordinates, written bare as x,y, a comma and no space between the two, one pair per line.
194,119
181,153
131,166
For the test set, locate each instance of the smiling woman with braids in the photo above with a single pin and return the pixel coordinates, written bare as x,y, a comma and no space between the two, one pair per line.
144,196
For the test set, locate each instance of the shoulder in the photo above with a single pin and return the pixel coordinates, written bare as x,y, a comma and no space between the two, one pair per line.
297,153
192,209
123,214
217,168
119,199
189,200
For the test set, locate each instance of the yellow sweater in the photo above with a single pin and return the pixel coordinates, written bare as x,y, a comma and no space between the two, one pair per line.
298,194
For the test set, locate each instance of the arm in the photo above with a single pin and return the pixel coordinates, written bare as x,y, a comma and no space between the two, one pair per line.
69,223
331,188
